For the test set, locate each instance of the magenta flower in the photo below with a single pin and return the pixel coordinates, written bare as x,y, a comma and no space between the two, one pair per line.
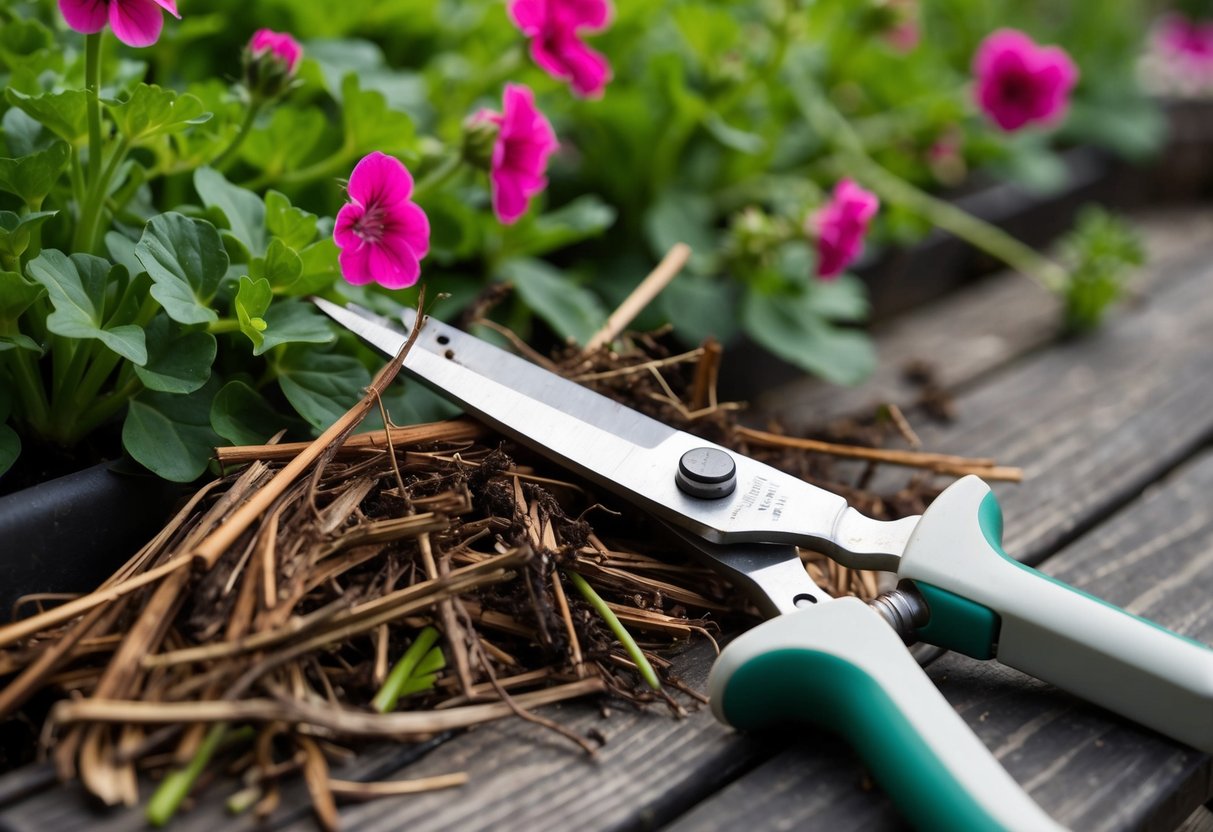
1019,82
381,233
135,22
279,46
839,227
1187,43
555,28
520,153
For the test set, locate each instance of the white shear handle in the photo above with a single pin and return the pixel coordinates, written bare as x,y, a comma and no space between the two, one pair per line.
839,666
986,604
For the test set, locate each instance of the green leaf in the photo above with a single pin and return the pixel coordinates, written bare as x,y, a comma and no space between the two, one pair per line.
242,416
845,299
584,217
10,448
24,134
15,230
122,251
321,386
186,260
151,111
369,123
294,226
252,299
683,217
19,342
16,295
789,328
243,209
734,138
294,321
285,143
178,359
320,268
77,289
32,177
571,310
701,307
171,434
280,266
65,113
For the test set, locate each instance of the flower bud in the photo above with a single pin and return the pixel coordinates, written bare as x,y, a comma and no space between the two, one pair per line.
479,138
271,60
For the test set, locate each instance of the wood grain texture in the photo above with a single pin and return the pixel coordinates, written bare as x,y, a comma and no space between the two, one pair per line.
1090,769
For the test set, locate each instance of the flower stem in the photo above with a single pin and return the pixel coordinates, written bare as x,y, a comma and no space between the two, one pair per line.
621,633
225,158
1024,259
92,84
440,174
94,202
29,389
176,785
103,409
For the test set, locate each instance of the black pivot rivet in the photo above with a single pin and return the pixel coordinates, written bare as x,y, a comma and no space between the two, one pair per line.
707,473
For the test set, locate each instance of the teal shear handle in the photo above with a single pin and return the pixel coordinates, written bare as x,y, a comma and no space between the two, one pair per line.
985,604
840,667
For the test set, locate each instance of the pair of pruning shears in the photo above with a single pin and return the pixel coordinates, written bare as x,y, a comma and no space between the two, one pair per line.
841,664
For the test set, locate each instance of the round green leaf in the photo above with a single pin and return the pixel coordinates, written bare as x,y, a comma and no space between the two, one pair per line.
788,327
244,210
178,359
573,311
321,386
242,416
171,435
186,260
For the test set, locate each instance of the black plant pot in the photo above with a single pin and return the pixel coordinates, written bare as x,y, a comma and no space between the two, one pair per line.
70,533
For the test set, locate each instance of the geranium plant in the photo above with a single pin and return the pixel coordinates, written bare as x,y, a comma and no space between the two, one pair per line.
158,241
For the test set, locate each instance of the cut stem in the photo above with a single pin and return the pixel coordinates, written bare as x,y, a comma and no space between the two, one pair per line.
385,700
177,785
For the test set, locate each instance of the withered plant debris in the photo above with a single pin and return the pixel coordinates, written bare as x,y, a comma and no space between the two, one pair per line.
252,641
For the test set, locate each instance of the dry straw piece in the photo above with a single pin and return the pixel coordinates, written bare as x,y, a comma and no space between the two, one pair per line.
252,634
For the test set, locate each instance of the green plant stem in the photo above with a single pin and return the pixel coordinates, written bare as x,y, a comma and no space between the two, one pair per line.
621,633
102,366
441,173
34,405
94,203
228,155
991,239
176,786
385,700
103,409
336,162
223,325
92,85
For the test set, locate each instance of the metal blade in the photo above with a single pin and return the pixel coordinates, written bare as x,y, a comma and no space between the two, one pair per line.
627,452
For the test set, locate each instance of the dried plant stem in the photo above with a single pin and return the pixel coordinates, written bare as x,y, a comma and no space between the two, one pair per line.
451,430
353,790
641,296
625,638
939,463
301,712
176,786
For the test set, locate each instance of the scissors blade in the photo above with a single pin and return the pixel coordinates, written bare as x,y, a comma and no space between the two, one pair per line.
627,452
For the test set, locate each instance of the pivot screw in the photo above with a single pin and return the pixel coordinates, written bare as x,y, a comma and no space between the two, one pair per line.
707,473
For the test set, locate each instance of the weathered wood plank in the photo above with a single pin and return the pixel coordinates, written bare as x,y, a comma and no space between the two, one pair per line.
1088,768
976,330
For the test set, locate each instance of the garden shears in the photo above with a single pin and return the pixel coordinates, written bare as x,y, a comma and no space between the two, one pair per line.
841,664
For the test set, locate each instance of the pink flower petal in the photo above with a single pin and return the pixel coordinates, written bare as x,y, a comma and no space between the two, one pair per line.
170,6
1019,82
528,15
355,263
343,228
585,14
379,179
840,225
509,201
408,225
85,16
588,70
136,22
394,266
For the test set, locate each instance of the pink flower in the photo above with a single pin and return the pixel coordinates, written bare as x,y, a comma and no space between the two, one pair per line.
1020,83
555,28
520,153
381,233
135,22
840,225
1187,43
279,46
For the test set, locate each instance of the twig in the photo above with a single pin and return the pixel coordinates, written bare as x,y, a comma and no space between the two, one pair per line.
939,463
641,296
451,430
353,790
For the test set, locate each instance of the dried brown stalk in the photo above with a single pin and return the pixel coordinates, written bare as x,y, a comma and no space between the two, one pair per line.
644,293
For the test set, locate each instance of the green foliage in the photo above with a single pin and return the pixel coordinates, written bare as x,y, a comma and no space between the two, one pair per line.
156,270
1103,252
